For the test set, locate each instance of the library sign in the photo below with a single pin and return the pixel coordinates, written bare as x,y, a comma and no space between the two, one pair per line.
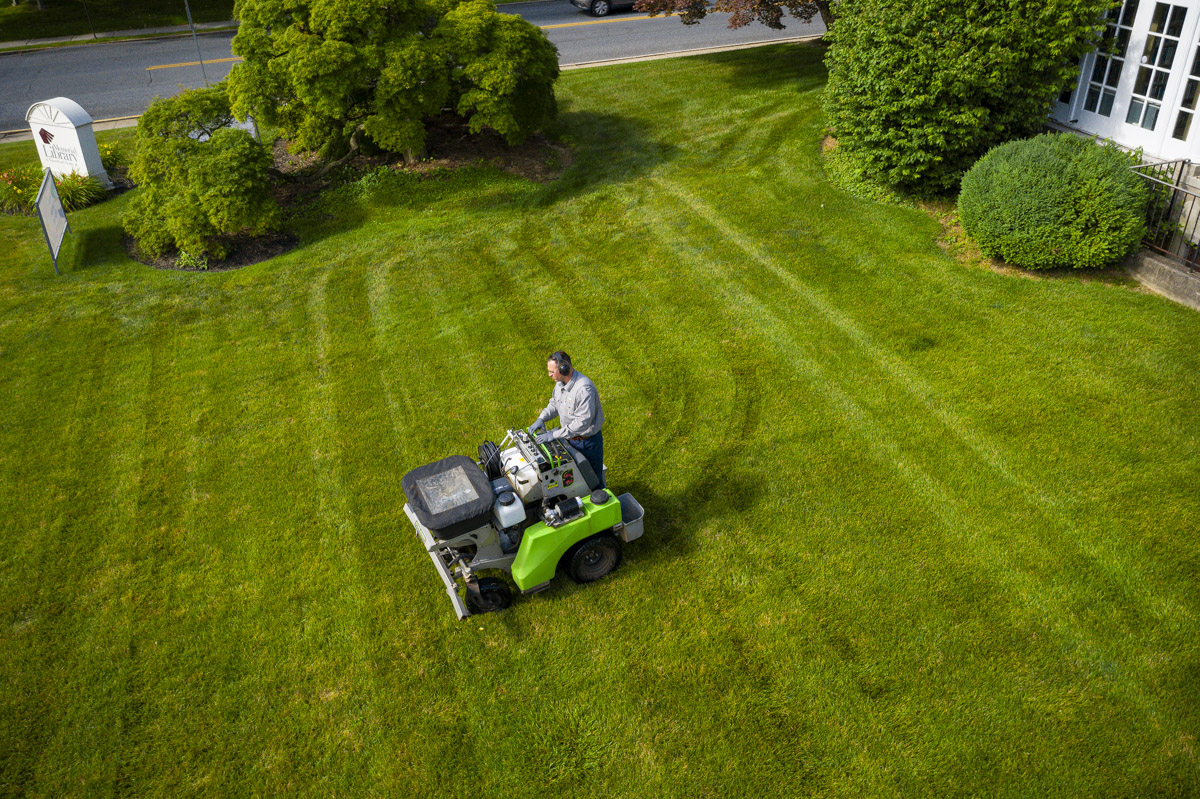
62,131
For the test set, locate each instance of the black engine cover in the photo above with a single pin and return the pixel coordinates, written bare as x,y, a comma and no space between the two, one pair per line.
450,497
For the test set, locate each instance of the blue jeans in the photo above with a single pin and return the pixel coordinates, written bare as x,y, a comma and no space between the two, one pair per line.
592,449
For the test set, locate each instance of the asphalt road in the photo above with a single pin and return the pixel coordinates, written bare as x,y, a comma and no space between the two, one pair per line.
119,79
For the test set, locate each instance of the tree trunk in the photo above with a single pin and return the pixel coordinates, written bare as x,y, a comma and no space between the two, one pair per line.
355,142
412,156
826,13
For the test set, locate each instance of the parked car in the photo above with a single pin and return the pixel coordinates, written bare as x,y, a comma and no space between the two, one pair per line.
601,8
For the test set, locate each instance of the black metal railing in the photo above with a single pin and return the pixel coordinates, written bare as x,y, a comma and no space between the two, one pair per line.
1172,212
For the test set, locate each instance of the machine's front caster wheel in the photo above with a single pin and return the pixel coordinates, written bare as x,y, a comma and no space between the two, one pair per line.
494,595
594,559
600,8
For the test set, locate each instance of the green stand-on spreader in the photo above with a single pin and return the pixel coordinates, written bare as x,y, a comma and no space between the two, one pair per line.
524,508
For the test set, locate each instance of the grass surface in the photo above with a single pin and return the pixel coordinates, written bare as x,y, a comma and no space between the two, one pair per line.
912,528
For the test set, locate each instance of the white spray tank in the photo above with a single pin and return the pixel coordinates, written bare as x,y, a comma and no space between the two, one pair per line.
521,474
508,510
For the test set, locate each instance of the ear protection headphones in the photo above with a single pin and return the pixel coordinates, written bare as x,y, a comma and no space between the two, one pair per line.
562,361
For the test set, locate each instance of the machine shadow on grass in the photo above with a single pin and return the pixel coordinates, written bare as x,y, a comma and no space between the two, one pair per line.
671,524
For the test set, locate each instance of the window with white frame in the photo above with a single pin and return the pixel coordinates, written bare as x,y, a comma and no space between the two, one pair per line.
1110,60
1187,103
1158,56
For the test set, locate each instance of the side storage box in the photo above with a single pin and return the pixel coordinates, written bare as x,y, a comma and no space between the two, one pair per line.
632,515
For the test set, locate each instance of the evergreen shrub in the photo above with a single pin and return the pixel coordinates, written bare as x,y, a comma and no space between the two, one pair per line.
327,71
920,89
199,180
1052,201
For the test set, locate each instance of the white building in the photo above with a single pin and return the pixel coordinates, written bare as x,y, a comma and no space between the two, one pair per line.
1146,93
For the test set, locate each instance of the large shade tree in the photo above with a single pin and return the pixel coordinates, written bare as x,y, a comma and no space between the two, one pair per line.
331,72
920,89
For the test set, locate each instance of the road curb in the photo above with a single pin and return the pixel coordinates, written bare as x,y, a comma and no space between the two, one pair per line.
608,62
112,123
17,47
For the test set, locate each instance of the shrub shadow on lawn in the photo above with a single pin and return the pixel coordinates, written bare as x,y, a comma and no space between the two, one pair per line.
798,66
608,149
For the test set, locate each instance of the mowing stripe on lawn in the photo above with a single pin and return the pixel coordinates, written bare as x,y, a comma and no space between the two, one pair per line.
729,304
955,516
938,498
915,386
1118,566
74,467
585,280
836,595
405,421
338,527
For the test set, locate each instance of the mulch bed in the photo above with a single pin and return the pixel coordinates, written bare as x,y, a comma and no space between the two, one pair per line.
243,251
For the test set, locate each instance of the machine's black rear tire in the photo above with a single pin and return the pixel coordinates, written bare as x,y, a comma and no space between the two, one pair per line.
593,559
600,8
494,595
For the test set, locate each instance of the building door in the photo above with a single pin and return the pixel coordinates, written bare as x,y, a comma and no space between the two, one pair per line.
1181,133
1145,91
1098,103
1164,40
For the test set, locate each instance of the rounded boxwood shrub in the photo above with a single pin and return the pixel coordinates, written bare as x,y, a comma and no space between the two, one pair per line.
1054,200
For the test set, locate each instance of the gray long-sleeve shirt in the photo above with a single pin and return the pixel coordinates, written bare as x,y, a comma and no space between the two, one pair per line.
576,403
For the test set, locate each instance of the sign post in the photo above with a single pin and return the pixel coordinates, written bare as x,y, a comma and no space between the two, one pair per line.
52,216
196,41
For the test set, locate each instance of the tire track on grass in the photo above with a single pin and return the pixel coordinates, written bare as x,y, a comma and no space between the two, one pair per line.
404,416
939,499
151,544
555,289
533,307
912,384
401,408
443,295
746,137
132,416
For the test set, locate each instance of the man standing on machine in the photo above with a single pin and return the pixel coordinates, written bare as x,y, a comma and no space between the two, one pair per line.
576,403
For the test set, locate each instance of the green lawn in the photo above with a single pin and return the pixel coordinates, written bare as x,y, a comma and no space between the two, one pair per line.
912,528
